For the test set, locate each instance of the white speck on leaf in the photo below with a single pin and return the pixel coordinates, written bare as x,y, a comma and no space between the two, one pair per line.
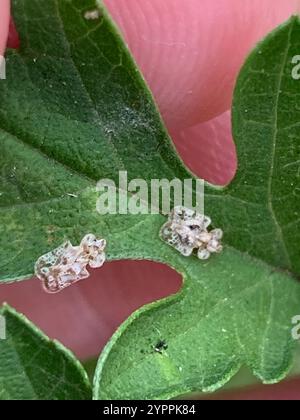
92,14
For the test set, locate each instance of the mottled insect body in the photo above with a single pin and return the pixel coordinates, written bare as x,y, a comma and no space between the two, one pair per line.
67,264
209,243
186,230
92,14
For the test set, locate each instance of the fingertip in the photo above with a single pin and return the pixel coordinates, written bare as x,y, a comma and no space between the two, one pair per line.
4,24
13,37
84,316
190,52
208,149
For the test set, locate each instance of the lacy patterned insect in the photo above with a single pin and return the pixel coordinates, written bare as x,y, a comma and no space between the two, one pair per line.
67,264
186,230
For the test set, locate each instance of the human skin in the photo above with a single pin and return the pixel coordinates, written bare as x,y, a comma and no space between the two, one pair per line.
190,53
4,20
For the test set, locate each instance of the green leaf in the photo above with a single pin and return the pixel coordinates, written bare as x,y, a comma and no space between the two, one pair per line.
74,109
242,380
266,119
34,368
233,311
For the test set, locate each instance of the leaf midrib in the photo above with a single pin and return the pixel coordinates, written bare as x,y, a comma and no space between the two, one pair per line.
274,144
